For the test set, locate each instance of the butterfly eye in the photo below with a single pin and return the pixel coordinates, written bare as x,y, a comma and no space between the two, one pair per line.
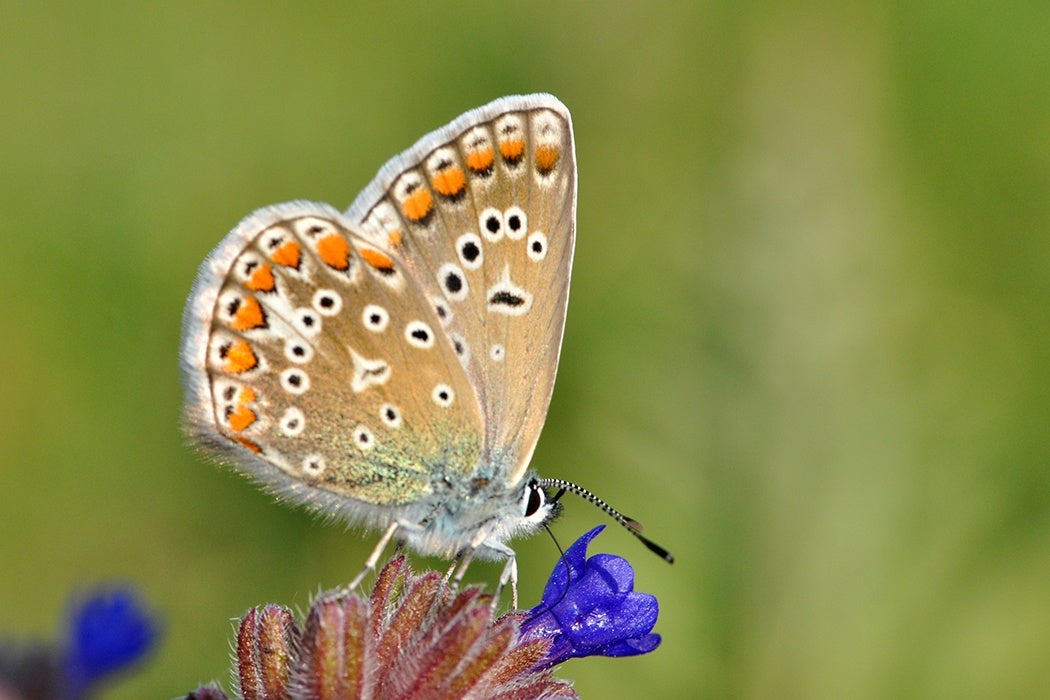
535,501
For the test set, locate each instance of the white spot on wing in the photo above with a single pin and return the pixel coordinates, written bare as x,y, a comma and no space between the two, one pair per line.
505,297
453,282
307,322
418,334
293,422
313,465
536,246
390,415
375,318
367,372
443,395
363,438
515,223
443,310
326,302
295,381
490,223
298,351
470,250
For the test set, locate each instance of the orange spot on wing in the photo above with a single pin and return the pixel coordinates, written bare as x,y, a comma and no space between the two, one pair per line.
481,160
377,260
240,357
334,251
247,395
450,181
241,418
511,150
261,279
249,444
287,254
395,236
249,315
547,157
417,205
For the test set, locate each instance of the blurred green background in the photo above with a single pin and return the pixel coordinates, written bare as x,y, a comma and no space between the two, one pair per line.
807,343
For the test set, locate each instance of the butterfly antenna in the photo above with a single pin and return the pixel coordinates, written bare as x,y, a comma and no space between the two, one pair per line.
568,570
630,524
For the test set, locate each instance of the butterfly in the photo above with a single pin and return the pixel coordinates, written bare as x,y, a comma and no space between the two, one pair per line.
392,365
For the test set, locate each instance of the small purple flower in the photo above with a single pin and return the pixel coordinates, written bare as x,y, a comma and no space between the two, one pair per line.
589,608
108,632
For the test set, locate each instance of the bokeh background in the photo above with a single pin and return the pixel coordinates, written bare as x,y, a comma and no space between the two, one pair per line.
807,342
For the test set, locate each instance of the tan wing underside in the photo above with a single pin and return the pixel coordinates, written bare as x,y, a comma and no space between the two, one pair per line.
355,410
520,164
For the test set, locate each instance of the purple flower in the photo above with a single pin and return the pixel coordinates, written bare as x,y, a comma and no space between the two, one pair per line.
589,608
108,632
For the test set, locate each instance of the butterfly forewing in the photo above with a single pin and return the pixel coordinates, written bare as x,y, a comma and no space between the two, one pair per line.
326,366
483,213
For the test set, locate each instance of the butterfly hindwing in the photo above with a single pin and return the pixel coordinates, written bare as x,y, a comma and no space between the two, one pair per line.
326,367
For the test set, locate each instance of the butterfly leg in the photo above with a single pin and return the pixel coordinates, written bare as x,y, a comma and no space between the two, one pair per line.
461,563
373,558
466,555
509,573
453,567
510,569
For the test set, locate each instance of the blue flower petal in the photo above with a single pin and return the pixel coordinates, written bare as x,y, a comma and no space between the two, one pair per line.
633,647
109,631
589,608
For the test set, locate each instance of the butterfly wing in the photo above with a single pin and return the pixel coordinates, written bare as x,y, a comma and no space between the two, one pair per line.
483,211
313,358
